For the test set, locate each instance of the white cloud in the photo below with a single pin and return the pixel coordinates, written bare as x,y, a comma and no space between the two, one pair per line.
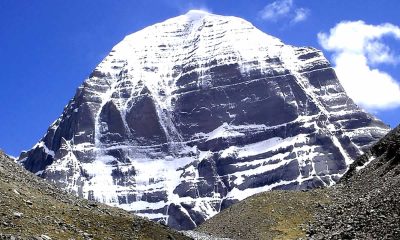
281,9
358,49
276,10
301,14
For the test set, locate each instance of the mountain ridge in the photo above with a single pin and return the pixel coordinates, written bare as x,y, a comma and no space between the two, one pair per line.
188,116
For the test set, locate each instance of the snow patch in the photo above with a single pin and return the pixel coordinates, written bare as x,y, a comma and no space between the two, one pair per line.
370,159
224,131
41,144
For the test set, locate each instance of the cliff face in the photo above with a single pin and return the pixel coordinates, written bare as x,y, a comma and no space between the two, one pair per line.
187,116
364,205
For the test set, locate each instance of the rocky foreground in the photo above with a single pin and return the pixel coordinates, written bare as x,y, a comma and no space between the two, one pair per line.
269,215
31,208
364,205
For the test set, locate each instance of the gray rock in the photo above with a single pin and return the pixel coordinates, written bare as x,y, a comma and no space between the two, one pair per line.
18,214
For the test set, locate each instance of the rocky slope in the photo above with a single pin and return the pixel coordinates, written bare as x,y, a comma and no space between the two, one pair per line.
364,205
31,208
367,205
188,116
269,215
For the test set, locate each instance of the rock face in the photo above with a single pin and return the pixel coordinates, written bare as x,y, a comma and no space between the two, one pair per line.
367,204
188,116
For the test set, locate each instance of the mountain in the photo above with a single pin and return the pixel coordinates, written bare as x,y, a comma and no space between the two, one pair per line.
368,203
31,208
188,116
365,204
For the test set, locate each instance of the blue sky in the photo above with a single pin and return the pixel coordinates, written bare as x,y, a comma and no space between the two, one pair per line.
48,47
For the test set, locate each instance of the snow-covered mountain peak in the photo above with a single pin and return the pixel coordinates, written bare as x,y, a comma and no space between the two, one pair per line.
203,36
196,14
189,115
